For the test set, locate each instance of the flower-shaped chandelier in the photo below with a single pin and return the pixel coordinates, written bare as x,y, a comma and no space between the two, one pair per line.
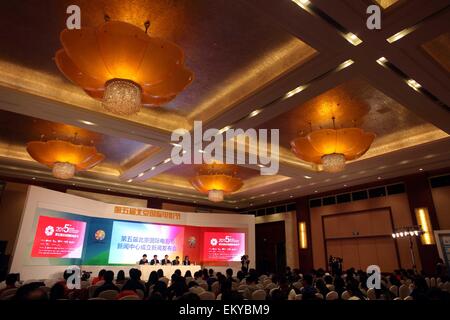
216,179
119,64
332,147
64,157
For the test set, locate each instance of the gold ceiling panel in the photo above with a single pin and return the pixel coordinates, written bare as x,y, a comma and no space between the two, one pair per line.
386,3
439,50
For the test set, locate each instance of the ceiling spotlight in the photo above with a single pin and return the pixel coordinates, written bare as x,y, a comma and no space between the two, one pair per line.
140,174
420,169
352,38
302,3
307,177
400,34
201,151
382,61
153,168
34,178
413,84
393,235
224,129
87,122
130,180
167,160
254,113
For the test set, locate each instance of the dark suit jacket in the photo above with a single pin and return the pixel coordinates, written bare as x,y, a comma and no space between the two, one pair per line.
143,262
175,262
164,261
153,262
186,263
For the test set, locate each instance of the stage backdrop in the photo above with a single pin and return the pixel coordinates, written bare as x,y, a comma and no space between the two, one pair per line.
58,230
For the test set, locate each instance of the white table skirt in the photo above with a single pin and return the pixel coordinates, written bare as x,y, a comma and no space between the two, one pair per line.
146,269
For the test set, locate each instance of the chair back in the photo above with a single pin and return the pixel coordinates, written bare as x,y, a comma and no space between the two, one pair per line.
259,295
108,294
130,297
353,298
371,294
319,296
98,298
140,293
297,285
271,286
215,287
207,295
433,282
292,294
8,292
394,290
242,287
332,295
403,291
91,290
330,287
204,285
345,295
299,297
408,298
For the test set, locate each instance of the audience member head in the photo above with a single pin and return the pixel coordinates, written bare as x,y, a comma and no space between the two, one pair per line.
109,276
188,274
229,272
120,275
57,291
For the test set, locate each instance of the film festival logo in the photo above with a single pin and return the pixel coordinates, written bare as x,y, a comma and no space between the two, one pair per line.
241,147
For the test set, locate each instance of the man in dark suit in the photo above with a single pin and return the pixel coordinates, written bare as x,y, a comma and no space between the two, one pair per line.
176,262
186,261
154,260
166,260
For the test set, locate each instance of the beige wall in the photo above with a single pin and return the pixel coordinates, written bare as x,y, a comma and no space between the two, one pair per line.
11,208
441,198
400,212
290,227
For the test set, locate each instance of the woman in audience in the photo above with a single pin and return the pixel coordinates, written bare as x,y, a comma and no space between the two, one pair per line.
322,287
188,274
100,276
120,277
152,280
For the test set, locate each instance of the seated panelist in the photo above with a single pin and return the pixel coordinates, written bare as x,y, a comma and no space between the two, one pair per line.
186,261
166,260
143,260
154,260
176,262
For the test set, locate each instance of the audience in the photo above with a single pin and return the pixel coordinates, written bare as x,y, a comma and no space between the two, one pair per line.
108,284
247,284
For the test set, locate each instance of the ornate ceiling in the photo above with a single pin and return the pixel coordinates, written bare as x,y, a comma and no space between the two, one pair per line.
246,55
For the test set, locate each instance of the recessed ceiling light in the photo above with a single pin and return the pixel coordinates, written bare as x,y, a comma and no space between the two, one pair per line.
140,194
400,34
108,189
260,165
294,91
140,174
73,184
345,185
201,151
420,169
315,191
270,201
167,160
153,168
308,177
34,178
413,84
176,144
87,122
352,38
130,180
382,61
291,196
379,178
224,129
345,64
251,204
254,113
302,3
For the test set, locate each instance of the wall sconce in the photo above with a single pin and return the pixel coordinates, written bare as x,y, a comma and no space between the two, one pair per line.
423,219
302,235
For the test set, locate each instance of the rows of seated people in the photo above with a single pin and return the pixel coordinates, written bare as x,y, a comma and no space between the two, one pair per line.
246,284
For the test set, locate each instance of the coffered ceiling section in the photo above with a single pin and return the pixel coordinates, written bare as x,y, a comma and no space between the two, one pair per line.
17,130
232,48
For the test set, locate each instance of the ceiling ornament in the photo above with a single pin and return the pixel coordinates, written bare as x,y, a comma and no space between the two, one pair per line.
216,180
63,157
122,66
332,148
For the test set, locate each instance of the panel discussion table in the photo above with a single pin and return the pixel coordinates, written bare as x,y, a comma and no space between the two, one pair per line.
146,269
